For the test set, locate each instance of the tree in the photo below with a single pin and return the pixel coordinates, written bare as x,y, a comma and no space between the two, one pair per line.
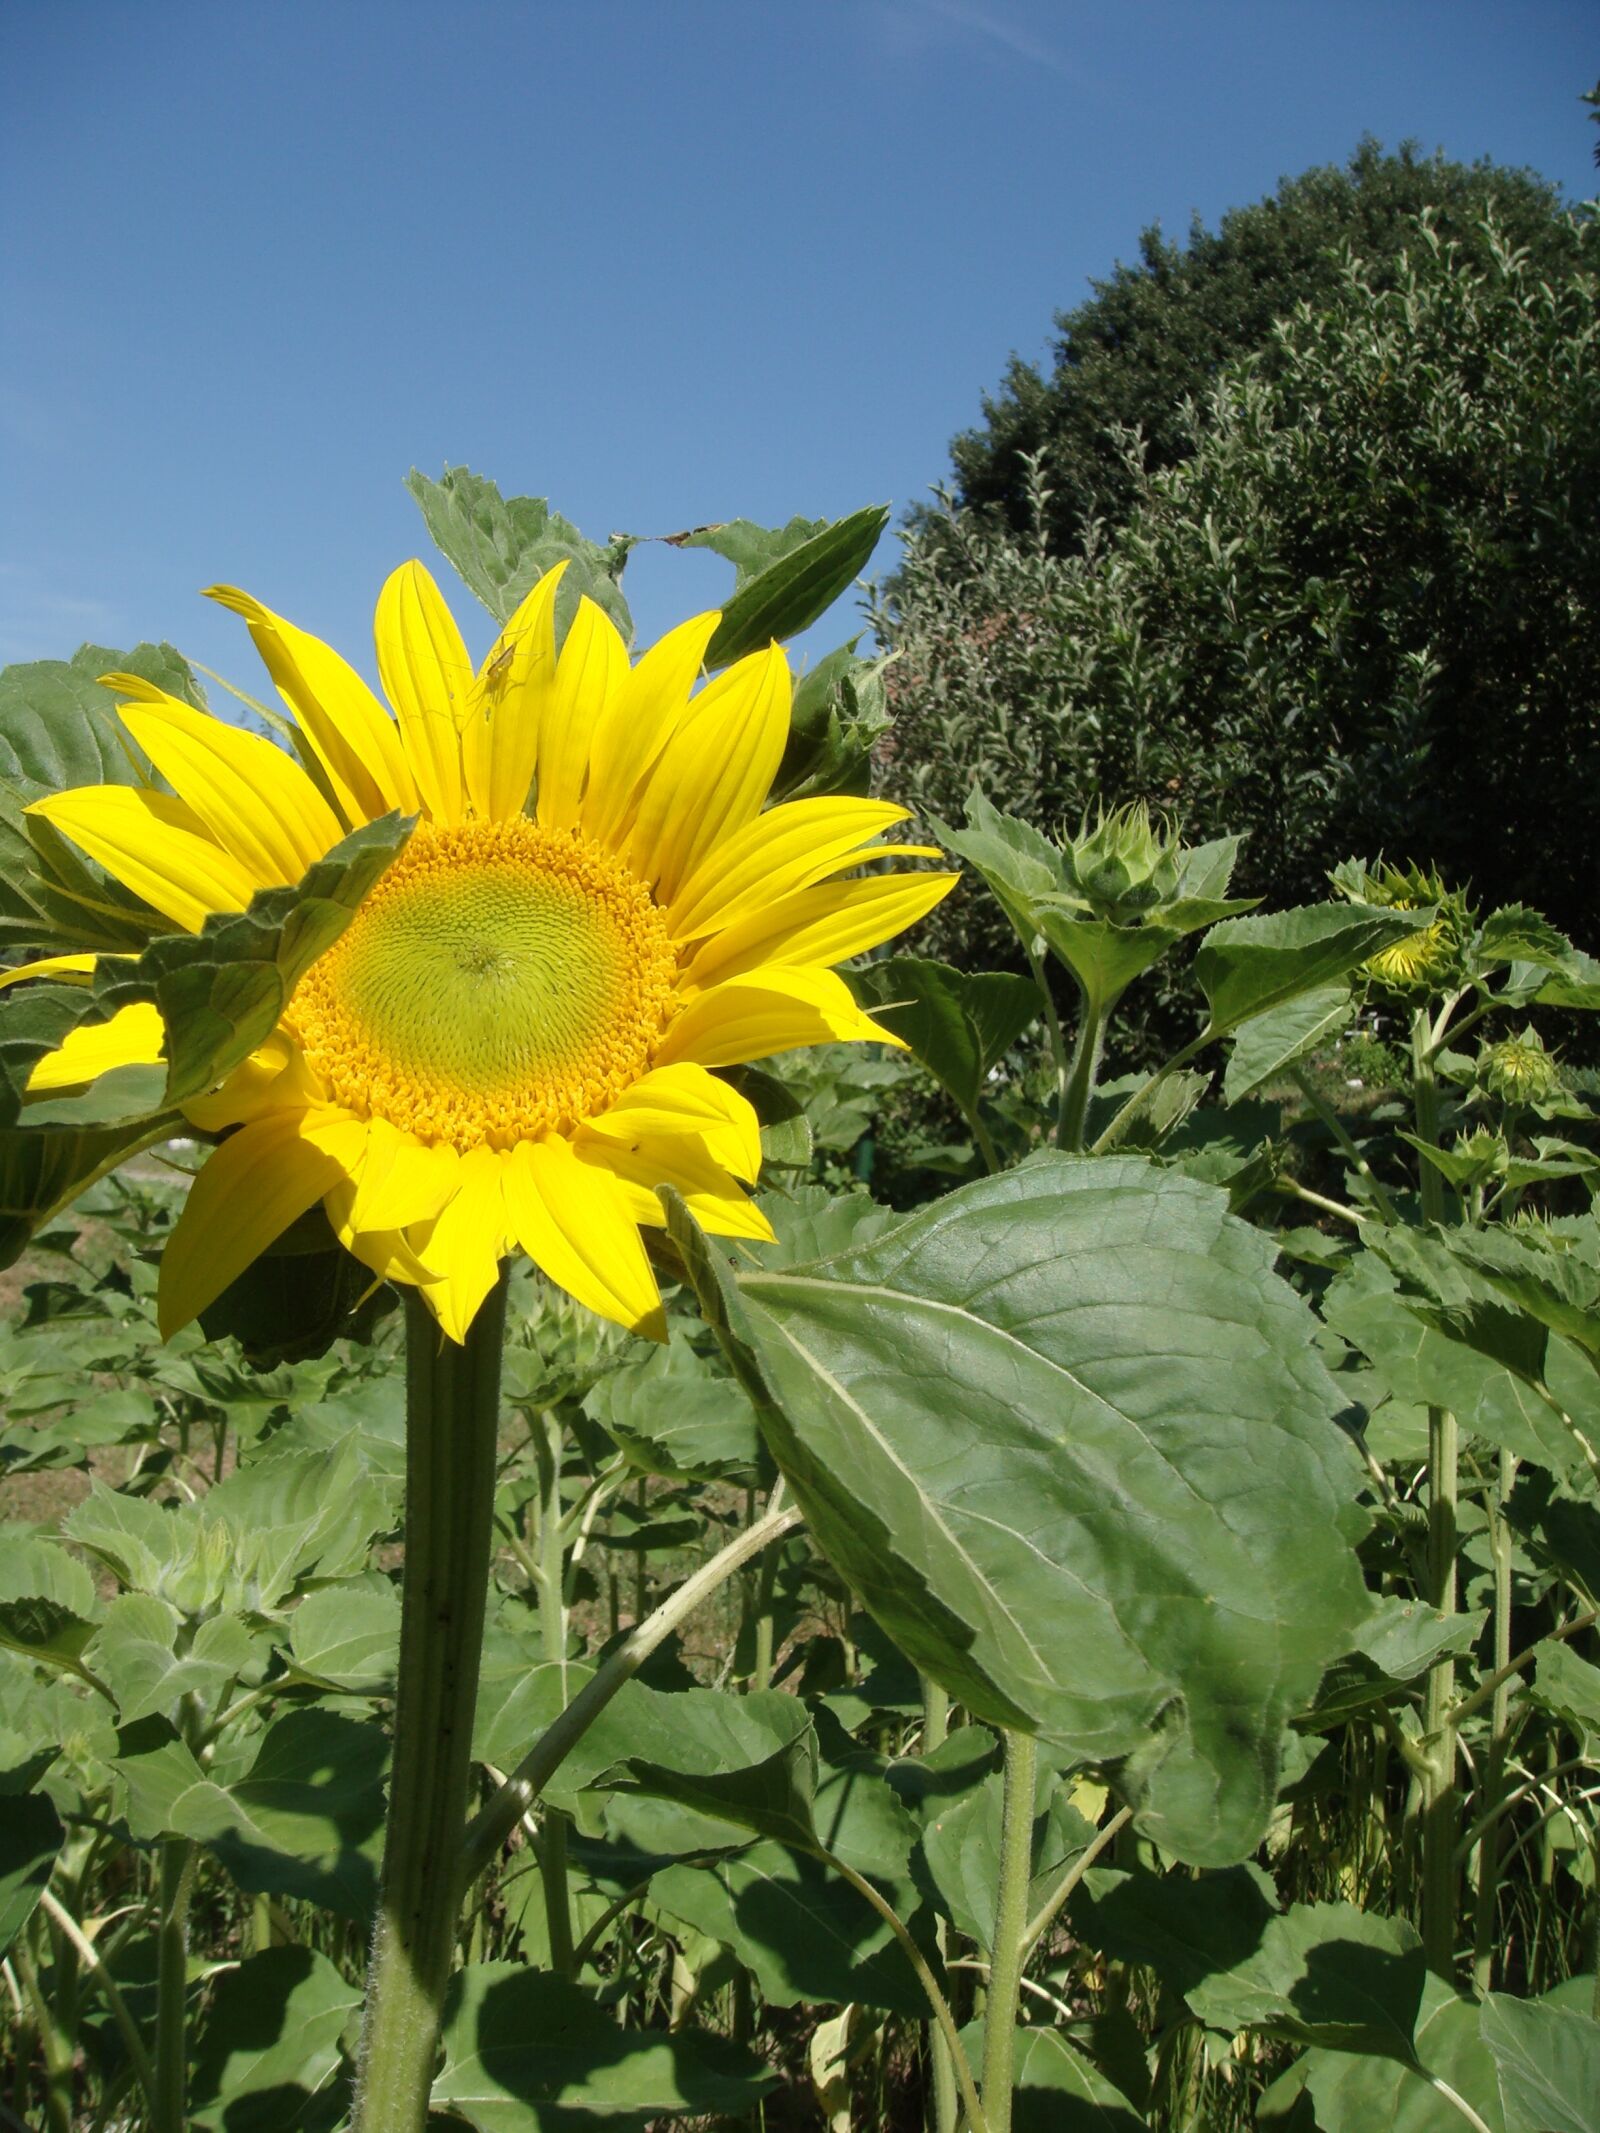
1155,333
1358,611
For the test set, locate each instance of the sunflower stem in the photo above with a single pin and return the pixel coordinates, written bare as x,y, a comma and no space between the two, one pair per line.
1010,1931
452,1417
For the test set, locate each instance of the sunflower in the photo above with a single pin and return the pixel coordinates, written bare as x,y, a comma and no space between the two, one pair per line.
515,1040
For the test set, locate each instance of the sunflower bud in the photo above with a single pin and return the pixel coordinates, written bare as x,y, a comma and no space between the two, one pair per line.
1125,865
1518,1069
1426,961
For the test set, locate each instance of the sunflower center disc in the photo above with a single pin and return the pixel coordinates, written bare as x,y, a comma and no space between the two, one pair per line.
500,981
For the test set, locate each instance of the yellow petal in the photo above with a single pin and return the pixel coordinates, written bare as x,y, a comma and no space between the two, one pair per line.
255,1184
256,802
155,846
67,967
592,668
510,705
386,1252
686,1099
403,1181
134,1036
350,733
769,1010
573,1221
825,924
427,676
714,772
785,849
463,1246
677,1159
639,719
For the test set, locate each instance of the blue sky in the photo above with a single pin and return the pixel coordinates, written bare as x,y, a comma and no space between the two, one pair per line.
663,261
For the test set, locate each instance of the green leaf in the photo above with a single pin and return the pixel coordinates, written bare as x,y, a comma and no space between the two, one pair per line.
30,1838
750,548
750,1760
58,730
674,1415
138,1653
502,547
1188,1927
959,1024
1570,1687
222,990
800,582
1075,1395
1326,1974
1548,2061
1057,2089
290,1306
1019,863
44,1169
804,1933
1355,2094
304,1819
528,2053
839,713
1248,966
269,2041
1423,1364
45,1632
347,1636
1266,1045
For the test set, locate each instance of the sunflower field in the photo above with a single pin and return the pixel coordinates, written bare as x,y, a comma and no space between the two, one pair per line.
628,1504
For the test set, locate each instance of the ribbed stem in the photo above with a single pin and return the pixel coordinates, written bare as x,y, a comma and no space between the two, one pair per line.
452,1417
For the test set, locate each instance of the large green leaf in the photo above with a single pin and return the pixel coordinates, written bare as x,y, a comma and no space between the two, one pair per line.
750,1760
960,1024
1057,2089
1358,2094
1066,1434
1326,1974
347,1635
304,1818
502,547
30,1838
1268,1045
1187,1927
528,2053
1421,1364
1248,966
58,730
794,584
805,1934
673,1415
269,2041
1548,2061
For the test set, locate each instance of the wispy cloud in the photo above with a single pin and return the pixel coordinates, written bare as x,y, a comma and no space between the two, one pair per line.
1011,36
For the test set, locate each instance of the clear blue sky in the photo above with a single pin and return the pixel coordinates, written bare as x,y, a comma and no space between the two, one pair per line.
662,260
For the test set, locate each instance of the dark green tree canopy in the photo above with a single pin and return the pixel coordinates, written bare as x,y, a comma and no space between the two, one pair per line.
1155,333
1359,612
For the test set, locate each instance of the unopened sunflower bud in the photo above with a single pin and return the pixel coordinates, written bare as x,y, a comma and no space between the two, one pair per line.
1518,1069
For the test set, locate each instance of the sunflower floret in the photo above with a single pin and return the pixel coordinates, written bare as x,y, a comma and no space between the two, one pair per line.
515,1040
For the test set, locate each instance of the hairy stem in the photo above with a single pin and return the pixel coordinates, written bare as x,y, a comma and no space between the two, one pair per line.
1010,1931
168,2112
452,1416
